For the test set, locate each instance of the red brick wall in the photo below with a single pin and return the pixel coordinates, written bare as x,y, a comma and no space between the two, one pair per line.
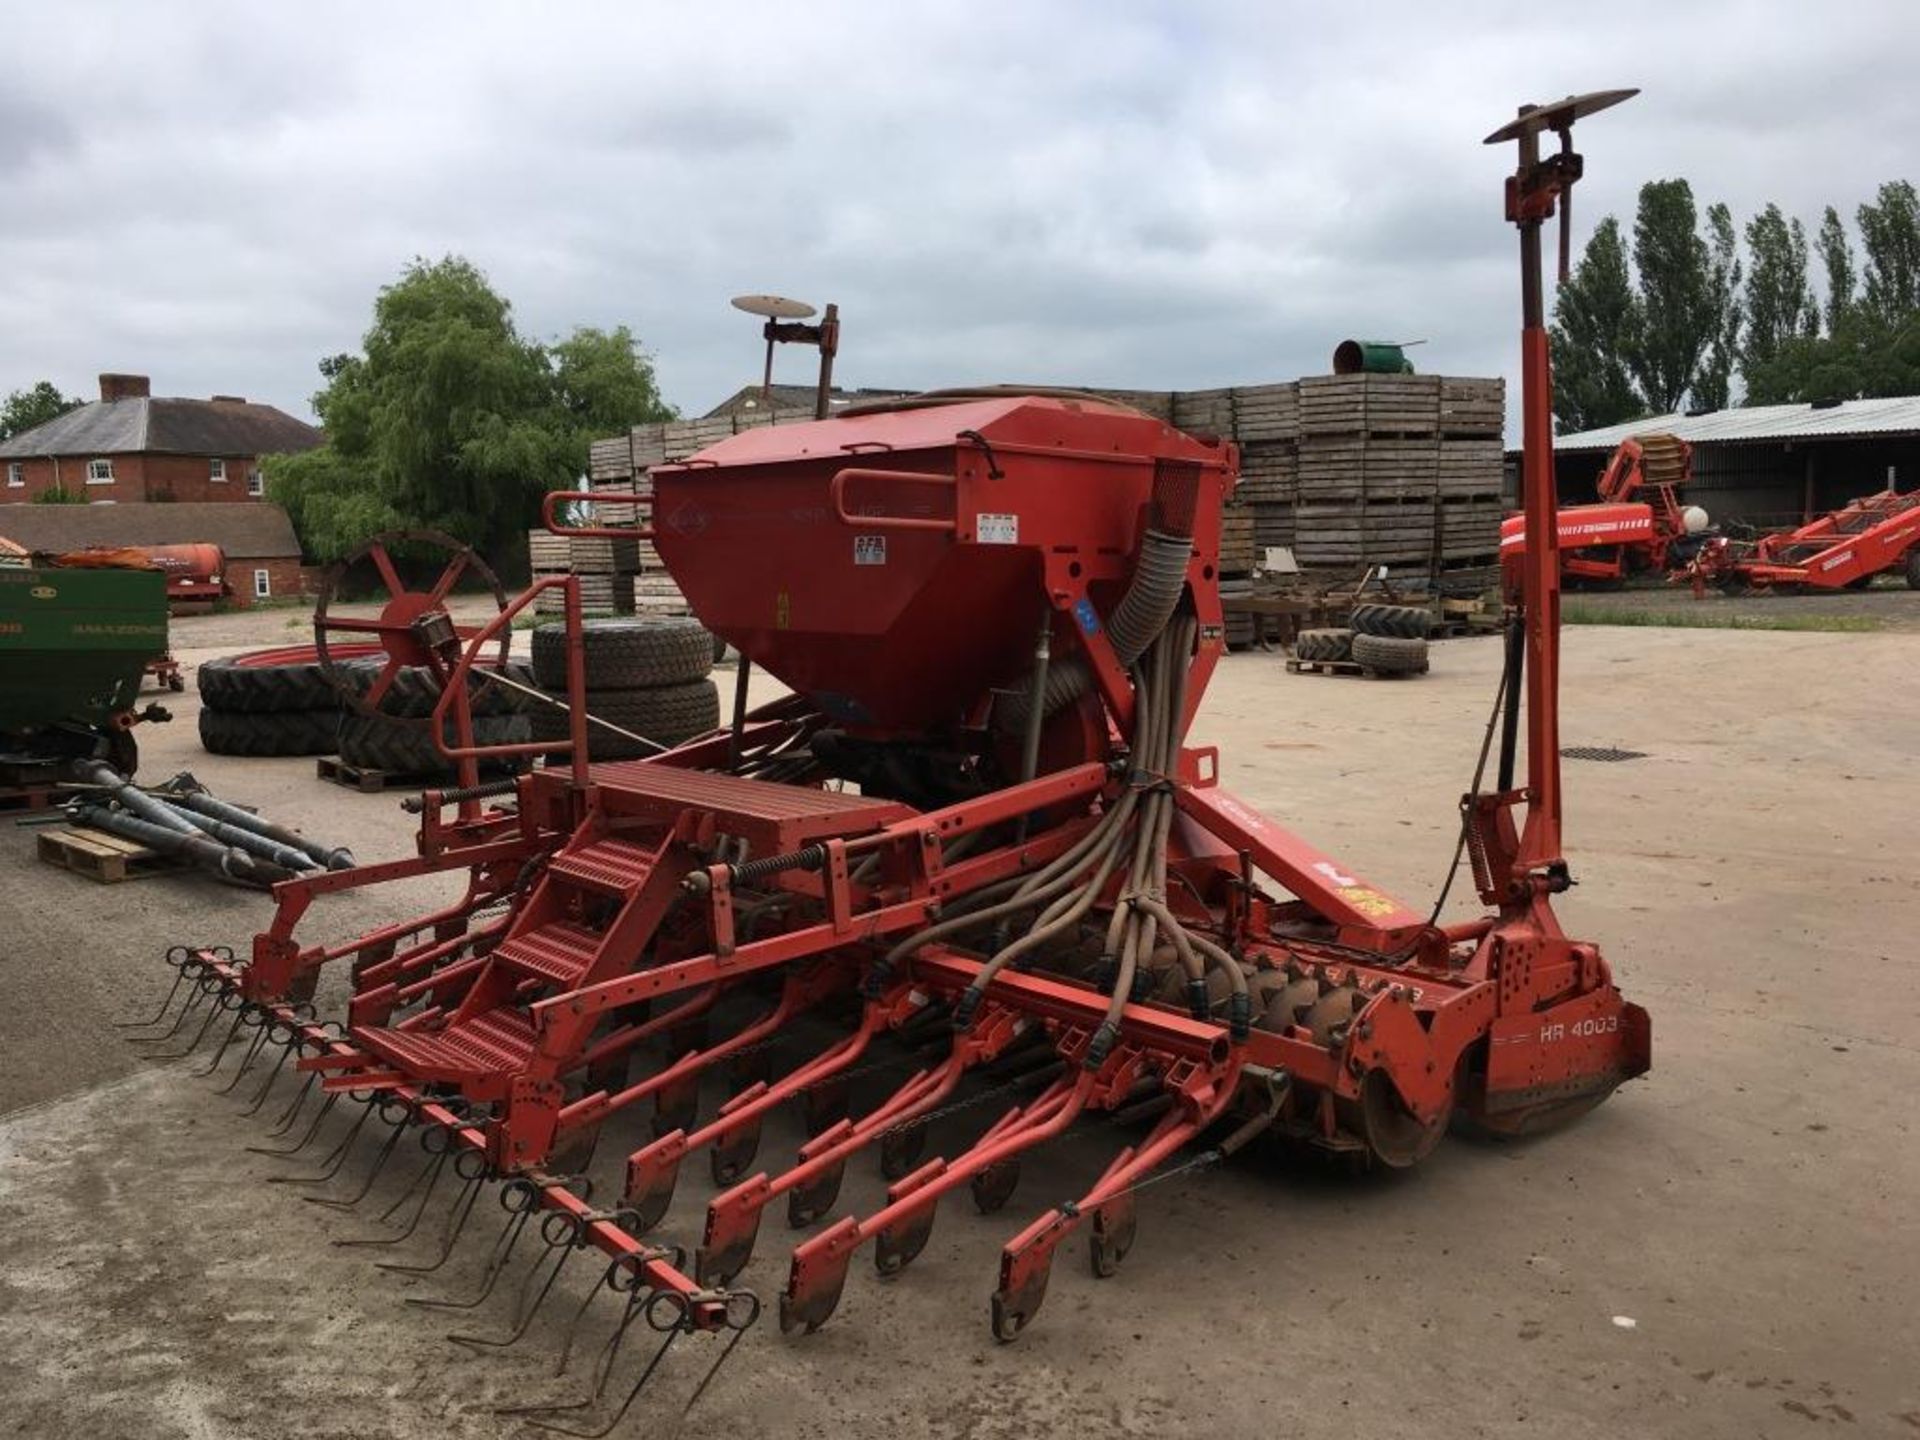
285,577
135,477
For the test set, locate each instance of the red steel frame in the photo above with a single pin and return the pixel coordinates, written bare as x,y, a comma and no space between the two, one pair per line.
1870,536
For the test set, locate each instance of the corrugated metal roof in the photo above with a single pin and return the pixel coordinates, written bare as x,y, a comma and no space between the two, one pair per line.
165,425
1893,415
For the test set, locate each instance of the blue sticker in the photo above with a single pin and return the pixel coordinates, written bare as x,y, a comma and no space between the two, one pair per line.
1088,617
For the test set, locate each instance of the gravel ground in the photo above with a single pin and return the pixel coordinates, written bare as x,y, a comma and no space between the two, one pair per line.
1727,1248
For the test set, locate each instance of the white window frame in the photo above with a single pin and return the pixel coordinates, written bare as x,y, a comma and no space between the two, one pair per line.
256,482
263,584
16,475
217,471
100,471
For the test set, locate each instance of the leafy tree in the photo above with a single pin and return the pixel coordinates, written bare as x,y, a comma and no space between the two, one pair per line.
1890,236
1780,306
1713,386
1593,324
1836,257
1676,317
35,405
450,420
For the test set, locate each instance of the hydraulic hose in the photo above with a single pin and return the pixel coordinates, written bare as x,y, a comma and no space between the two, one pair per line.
201,803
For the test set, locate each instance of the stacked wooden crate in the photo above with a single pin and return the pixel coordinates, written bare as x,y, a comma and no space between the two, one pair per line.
1400,470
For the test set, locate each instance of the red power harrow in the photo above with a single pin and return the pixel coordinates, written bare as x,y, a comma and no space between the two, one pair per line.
972,842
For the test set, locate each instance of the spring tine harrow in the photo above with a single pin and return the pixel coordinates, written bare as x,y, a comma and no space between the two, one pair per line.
438,1144
283,1034
336,1157
185,967
205,988
394,1112
471,1167
259,1020
246,1016
292,1113
564,1235
520,1198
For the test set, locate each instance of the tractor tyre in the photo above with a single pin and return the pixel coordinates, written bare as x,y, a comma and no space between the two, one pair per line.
375,742
1391,654
626,654
415,690
1323,645
1408,622
240,689
274,732
1913,568
665,714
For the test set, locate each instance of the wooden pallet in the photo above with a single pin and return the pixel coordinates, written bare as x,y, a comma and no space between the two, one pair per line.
336,771
101,856
28,797
1347,667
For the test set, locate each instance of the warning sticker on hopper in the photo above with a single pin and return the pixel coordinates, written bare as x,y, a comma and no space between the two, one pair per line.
869,549
999,529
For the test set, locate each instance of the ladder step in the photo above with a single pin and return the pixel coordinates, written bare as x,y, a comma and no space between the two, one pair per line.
610,863
497,1042
560,952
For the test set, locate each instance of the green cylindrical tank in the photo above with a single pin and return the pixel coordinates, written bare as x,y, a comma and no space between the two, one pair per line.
1370,357
74,643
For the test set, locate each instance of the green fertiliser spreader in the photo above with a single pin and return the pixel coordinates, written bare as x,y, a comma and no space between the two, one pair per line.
73,646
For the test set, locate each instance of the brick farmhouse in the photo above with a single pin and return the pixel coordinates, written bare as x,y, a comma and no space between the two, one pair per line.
130,445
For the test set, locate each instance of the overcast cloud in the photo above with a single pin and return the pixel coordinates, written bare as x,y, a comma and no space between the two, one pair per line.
1153,195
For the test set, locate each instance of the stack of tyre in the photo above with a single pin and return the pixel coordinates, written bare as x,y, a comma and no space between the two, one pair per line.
399,739
1389,639
282,703
647,675
260,705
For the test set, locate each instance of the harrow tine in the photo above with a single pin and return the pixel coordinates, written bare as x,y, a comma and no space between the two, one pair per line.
564,1240
244,1012
261,1022
292,1113
335,1157
180,958
666,1313
471,1167
519,1197
203,987
425,1181
226,1000
739,1321
387,1147
288,1049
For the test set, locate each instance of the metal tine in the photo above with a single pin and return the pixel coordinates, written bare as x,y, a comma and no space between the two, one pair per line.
565,1235
428,1176
457,1217
387,1147
227,1000
287,1051
246,1011
336,1157
519,1198
285,1123
638,1302
203,987
739,1321
672,1333
180,977
264,1023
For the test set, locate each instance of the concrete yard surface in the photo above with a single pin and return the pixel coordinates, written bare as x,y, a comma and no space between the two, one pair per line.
1728,1247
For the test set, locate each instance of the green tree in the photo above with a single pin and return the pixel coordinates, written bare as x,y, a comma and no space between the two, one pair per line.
451,420
1593,325
1676,318
1712,388
35,405
1890,238
1780,306
1836,258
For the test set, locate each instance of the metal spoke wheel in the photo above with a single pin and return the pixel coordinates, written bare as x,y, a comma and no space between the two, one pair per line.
413,627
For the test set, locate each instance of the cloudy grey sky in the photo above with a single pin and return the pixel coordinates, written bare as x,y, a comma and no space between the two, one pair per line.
1158,195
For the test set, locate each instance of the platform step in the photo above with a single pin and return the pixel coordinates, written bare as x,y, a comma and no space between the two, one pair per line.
497,1042
559,952
611,863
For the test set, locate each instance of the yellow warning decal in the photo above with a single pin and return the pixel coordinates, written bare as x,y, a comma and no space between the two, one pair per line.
1370,903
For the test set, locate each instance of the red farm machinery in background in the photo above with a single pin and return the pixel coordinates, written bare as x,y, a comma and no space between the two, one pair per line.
972,844
1639,526
1875,535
